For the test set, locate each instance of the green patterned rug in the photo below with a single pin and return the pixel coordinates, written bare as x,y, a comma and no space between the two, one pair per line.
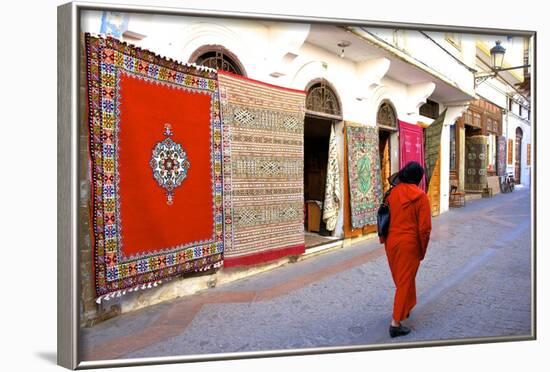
365,185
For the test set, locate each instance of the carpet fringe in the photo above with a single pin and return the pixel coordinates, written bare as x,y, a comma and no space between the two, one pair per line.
156,283
109,296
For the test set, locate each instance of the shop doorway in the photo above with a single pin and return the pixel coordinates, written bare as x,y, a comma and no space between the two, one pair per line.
316,143
517,173
323,110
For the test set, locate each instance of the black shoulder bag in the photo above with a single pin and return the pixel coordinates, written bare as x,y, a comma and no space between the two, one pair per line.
383,216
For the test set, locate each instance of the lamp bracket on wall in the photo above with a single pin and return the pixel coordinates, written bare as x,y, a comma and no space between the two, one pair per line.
481,77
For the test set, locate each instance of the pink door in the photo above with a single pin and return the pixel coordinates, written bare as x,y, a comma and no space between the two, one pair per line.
411,146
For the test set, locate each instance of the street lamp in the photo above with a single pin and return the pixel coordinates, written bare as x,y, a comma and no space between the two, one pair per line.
497,55
497,58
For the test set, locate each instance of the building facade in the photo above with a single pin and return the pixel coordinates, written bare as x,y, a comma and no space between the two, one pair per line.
397,81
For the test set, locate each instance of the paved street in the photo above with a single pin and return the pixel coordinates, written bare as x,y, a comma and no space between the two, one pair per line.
474,282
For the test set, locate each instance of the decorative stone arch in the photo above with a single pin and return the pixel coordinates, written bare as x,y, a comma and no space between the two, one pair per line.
386,115
218,57
380,95
201,36
323,100
314,71
388,139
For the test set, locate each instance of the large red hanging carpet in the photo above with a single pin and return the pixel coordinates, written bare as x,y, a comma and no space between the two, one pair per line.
411,146
155,150
263,170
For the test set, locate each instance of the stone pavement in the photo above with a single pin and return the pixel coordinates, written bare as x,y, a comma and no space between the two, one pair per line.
474,282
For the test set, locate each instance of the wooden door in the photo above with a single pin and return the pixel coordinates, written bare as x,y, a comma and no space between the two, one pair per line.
384,150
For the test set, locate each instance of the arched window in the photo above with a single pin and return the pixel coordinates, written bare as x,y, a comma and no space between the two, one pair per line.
386,116
322,99
519,132
219,58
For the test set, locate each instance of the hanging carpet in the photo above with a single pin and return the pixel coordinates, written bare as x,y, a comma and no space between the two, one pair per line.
476,163
432,157
411,146
349,231
365,187
155,158
332,188
501,156
263,170
432,144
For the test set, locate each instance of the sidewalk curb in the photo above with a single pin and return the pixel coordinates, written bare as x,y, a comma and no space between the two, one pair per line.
183,287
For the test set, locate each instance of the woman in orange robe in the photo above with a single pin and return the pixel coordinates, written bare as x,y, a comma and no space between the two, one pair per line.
407,240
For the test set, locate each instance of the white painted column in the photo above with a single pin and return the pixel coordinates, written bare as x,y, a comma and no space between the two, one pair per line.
444,169
394,152
454,111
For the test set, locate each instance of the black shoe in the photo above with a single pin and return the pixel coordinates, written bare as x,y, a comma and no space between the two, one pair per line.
400,330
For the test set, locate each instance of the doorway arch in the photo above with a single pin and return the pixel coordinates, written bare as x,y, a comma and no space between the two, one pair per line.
322,100
386,121
386,117
323,112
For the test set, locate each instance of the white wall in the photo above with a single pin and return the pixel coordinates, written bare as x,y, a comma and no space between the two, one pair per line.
278,53
494,91
427,51
514,122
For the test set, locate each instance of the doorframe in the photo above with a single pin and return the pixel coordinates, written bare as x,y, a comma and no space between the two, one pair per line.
390,132
333,120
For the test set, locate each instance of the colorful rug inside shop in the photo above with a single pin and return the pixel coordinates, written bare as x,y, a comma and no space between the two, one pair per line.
263,170
155,158
365,186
